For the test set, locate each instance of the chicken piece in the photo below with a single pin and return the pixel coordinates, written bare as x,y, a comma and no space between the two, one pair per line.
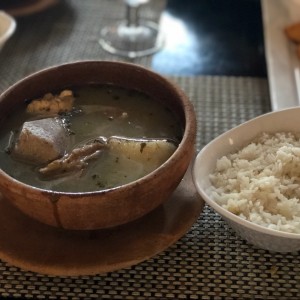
41,141
52,104
151,152
293,32
76,160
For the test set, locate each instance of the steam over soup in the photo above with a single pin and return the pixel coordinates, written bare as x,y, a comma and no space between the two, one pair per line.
88,138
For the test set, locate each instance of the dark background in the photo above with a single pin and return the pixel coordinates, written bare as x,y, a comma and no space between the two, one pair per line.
212,37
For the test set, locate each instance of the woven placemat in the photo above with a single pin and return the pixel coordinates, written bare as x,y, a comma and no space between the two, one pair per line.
210,261
70,31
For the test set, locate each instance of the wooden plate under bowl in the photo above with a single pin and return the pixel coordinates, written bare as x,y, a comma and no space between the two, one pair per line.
40,248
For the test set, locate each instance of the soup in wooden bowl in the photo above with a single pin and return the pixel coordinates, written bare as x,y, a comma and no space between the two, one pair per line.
93,144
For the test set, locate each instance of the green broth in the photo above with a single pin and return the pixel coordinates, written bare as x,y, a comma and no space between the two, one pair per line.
110,111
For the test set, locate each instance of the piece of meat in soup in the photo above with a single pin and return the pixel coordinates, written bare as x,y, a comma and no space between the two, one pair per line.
41,141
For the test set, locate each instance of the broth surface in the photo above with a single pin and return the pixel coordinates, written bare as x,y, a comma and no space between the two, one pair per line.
99,111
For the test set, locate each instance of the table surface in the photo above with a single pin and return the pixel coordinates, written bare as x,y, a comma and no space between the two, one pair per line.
210,261
212,37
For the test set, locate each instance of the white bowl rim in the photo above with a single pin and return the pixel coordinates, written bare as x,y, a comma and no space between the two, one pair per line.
222,211
11,28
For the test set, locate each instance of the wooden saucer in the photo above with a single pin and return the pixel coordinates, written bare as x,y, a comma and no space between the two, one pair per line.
36,247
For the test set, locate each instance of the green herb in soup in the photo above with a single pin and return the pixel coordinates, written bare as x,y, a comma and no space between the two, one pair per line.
88,138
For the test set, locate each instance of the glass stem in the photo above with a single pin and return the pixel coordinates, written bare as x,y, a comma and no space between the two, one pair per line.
132,15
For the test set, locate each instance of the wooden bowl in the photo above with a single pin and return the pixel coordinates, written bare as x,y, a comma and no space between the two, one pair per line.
111,207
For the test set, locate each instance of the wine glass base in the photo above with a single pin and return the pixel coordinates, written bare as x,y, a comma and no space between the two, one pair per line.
131,42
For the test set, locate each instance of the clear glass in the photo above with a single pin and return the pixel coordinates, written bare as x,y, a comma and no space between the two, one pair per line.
132,37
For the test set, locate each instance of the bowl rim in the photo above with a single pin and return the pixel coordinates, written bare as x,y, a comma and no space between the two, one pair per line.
188,132
11,28
218,208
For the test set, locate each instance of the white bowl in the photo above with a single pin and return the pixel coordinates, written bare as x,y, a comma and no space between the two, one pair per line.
7,27
231,141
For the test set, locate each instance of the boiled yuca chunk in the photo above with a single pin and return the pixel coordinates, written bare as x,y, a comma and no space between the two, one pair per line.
41,141
150,152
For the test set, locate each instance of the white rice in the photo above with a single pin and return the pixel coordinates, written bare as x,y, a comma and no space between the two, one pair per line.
261,182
